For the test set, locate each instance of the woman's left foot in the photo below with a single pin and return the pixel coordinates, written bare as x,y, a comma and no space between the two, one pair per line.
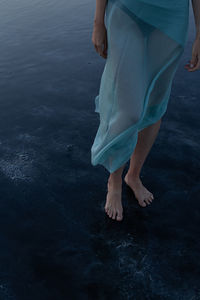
143,196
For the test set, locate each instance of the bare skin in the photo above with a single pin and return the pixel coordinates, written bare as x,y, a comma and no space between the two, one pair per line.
113,206
147,136
194,62
99,34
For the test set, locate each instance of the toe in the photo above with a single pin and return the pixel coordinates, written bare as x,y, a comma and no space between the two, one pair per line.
150,199
110,213
113,214
147,200
142,203
119,216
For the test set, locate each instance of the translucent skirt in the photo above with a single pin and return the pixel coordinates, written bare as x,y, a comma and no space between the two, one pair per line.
143,55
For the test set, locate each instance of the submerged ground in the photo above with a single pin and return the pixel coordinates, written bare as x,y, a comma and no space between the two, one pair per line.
56,241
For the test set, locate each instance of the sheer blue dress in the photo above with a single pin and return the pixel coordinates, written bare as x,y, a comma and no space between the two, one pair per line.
146,39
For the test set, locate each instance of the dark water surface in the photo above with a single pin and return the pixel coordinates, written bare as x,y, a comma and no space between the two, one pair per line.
56,241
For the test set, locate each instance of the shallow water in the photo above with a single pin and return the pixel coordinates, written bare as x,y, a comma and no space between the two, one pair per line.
56,241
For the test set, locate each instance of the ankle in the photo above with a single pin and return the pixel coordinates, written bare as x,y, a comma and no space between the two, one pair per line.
114,181
133,175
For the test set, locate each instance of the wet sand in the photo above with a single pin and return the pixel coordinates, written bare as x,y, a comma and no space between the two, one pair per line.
56,240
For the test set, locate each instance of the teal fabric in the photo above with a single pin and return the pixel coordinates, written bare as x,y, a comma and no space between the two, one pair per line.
168,15
145,42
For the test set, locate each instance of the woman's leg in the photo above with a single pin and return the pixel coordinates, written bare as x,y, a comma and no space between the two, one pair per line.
146,138
113,206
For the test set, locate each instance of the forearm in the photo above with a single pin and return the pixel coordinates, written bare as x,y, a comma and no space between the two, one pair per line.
100,11
196,10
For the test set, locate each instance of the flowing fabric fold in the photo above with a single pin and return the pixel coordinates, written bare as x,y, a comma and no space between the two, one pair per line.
145,42
169,16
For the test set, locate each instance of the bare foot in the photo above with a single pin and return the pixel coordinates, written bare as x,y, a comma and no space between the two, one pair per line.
113,206
143,196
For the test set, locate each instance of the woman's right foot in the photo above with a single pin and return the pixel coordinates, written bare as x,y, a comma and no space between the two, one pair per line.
113,206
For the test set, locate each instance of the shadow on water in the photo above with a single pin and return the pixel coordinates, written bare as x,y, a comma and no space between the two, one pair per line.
56,241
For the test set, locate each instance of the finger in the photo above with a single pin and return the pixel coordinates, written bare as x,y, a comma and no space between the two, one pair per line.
96,48
193,65
197,67
187,65
101,52
192,69
105,52
193,60
105,46
99,49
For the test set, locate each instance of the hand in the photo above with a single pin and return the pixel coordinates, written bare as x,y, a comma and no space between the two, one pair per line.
99,39
194,63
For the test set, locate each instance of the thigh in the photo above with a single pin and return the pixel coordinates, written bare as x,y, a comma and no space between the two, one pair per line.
126,65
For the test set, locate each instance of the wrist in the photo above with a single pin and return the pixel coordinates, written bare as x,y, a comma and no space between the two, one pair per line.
197,34
98,22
